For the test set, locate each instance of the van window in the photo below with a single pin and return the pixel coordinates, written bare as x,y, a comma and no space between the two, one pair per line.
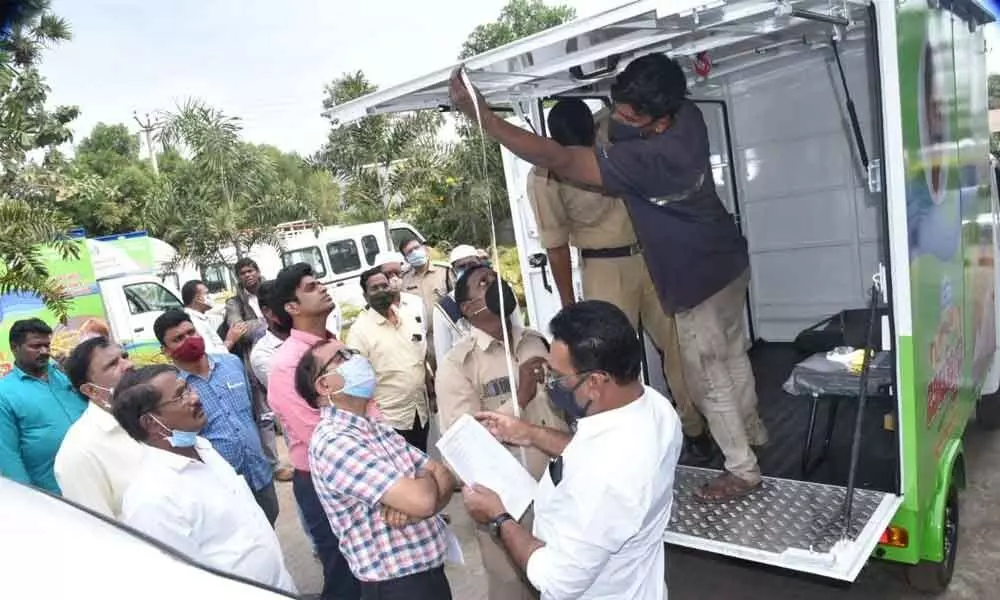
370,247
148,297
344,256
398,234
216,277
311,256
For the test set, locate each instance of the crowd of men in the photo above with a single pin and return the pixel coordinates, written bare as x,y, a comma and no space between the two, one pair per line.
187,452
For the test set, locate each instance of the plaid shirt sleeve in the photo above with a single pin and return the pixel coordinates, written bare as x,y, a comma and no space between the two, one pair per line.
358,472
419,459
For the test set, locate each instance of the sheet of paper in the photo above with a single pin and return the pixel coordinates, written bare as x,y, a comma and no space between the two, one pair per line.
477,457
454,553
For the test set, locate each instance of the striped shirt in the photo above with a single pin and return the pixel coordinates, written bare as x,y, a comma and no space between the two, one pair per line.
354,462
225,397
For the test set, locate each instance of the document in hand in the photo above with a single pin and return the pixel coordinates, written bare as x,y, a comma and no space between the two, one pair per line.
477,457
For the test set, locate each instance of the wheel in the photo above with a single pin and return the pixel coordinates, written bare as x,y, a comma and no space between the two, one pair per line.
988,411
933,577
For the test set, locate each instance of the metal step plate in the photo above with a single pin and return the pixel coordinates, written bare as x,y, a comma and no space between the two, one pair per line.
795,524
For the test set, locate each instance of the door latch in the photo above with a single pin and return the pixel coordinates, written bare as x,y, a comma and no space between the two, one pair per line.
875,176
540,260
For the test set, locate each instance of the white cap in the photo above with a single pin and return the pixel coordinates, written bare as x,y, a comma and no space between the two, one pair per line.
385,258
462,251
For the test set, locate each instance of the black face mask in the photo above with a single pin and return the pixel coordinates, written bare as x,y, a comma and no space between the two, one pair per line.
623,132
492,298
381,301
564,398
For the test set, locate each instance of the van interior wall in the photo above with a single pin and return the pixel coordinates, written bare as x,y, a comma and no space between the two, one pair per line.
814,234
813,228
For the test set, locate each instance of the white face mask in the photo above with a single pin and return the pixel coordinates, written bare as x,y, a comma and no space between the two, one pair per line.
104,403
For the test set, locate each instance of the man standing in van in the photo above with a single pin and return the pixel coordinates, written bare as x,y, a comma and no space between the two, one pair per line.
612,266
658,162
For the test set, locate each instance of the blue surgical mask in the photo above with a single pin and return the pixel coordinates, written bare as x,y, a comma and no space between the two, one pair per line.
623,132
177,437
359,377
417,257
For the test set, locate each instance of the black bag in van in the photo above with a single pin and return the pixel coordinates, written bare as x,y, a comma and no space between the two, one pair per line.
846,328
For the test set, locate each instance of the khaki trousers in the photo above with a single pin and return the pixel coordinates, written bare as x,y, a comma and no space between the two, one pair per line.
625,282
720,377
504,581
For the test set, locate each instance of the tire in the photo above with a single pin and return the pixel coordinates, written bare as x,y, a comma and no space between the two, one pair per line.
933,577
988,412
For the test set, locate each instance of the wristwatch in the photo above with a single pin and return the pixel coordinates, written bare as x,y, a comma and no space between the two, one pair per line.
496,523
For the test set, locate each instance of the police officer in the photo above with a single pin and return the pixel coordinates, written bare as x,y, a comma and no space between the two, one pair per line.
658,162
612,267
473,377
427,280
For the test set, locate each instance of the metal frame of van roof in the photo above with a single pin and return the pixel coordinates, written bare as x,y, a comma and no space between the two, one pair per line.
735,33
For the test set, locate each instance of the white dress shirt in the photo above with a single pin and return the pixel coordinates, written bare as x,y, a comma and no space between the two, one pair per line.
206,511
97,461
260,356
603,524
208,330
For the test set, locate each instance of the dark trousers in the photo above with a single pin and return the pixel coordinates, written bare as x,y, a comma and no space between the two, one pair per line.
267,498
429,585
417,436
338,581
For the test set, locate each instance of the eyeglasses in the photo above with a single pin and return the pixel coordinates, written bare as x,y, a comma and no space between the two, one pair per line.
186,396
342,355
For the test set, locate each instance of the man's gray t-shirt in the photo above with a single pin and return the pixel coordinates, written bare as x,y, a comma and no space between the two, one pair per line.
691,244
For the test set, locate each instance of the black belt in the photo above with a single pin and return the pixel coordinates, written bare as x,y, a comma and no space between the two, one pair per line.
618,252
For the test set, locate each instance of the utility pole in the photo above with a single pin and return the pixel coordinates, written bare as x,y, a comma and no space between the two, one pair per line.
148,128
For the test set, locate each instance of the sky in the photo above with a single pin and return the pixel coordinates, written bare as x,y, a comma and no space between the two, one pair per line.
252,60
248,58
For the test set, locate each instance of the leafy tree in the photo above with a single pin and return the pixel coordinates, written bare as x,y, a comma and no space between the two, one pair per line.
518,19
26,125
379,159
227,195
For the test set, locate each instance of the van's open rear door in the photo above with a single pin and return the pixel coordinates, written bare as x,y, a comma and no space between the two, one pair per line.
790,524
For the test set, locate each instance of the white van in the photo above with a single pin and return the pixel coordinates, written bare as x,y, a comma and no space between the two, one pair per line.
850,141
340,254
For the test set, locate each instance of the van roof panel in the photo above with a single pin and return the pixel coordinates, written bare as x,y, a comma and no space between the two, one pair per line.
586,53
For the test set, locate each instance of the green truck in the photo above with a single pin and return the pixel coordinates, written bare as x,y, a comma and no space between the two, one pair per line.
113,284
850,141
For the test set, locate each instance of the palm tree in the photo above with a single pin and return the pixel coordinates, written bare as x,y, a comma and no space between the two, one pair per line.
229,194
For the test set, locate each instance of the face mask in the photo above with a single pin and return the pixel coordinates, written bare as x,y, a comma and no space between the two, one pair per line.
565,399
492,298
417,257
623,132
359,378
190,350
105,403
381,301
178,438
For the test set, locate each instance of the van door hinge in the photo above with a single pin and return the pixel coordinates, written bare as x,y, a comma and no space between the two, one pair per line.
875,176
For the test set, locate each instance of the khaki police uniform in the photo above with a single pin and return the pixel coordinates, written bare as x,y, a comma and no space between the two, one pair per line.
473,377
613,269
429,285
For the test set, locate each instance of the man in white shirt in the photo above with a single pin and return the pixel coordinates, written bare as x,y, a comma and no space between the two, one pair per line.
603,505
194,295
185,494
97,459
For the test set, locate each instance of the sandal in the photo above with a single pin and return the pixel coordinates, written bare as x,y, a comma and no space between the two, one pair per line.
724,488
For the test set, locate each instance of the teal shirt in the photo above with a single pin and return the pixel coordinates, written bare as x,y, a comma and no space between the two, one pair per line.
34,418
